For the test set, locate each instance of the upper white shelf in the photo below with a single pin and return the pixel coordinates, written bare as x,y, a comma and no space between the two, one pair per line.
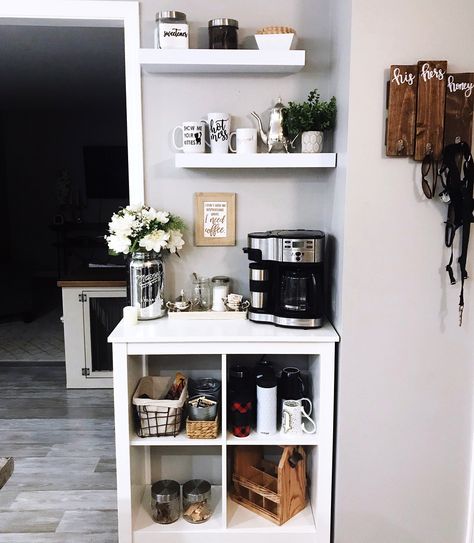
251,61
256,160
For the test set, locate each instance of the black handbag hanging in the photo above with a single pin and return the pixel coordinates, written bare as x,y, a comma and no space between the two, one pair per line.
457,175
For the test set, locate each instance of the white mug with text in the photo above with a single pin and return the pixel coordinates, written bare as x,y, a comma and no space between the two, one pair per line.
194,137
245,141
295,419
219,132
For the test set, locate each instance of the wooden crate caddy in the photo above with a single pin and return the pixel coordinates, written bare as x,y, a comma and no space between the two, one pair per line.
274,491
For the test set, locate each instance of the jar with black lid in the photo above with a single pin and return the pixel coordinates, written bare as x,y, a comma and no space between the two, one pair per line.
197,501
223,33
172,30
165,501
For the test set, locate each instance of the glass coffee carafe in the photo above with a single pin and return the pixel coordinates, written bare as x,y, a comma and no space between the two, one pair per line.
297,291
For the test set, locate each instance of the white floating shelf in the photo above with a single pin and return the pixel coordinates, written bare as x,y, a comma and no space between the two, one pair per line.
221,61
277,439
257,160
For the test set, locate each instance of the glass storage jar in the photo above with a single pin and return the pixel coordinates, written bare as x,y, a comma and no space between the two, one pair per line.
172,30
223,33
165,501
197,501
220,290
201,294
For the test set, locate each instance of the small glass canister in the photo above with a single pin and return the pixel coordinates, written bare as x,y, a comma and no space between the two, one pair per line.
172,30
165,501
201,294
220,290
223,33
197,501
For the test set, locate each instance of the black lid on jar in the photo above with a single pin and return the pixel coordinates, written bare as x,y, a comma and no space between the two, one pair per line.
178,15
165,491
220,280
223,22
196,490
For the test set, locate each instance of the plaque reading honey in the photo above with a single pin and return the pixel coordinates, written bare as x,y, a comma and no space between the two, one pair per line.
459,108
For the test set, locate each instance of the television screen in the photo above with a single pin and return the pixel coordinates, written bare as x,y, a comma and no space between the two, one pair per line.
106,171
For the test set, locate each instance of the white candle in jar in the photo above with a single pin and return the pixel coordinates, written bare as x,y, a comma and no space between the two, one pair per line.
130,315
220,290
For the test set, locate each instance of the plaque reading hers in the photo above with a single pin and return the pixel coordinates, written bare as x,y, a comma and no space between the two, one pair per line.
214,223
430,108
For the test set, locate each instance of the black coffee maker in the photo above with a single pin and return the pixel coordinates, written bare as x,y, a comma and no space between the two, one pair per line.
286,277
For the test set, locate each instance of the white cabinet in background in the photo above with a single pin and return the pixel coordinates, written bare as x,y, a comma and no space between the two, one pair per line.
200,349
89,315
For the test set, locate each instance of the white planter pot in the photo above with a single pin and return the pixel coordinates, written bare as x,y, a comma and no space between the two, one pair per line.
312,142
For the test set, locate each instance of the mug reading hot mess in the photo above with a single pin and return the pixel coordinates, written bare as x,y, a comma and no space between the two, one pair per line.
219,131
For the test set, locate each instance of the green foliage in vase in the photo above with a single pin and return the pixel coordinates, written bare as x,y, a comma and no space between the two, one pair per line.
314,114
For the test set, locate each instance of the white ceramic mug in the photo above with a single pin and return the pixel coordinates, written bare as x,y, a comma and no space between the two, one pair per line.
245,141
194,137
219,132
294,418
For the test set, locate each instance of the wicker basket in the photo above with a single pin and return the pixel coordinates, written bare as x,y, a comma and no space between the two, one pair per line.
202,429
154,418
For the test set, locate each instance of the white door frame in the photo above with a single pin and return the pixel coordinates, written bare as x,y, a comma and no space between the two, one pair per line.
122,14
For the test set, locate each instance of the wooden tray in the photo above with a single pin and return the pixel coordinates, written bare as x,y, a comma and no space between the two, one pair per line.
207,315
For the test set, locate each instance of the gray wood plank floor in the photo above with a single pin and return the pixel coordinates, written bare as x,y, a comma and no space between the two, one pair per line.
63,486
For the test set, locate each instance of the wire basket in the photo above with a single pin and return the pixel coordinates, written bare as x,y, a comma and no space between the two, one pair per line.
154,418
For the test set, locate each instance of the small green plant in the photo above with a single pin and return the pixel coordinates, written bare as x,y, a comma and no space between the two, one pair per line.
314,114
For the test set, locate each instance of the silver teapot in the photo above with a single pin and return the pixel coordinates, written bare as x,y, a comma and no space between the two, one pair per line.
274,138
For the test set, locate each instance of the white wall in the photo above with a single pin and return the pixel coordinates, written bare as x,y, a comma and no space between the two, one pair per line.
405,382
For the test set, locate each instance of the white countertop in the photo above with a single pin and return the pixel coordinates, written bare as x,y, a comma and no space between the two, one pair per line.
165,330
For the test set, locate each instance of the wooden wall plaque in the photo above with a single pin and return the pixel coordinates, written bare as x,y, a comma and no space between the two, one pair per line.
430,108
459,108
401,116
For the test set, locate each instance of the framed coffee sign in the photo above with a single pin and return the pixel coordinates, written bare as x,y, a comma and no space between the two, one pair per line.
214,219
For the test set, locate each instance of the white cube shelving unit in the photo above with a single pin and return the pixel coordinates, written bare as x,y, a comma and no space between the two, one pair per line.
164,346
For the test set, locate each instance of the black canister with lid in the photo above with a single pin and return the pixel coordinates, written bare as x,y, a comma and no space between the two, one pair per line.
223,33
241,400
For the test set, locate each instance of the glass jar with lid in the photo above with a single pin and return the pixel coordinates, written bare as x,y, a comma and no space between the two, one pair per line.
165,501
172,30
197,501
223,33
220,290
201,294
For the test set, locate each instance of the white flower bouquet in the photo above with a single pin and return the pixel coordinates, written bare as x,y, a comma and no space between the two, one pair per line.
143,229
